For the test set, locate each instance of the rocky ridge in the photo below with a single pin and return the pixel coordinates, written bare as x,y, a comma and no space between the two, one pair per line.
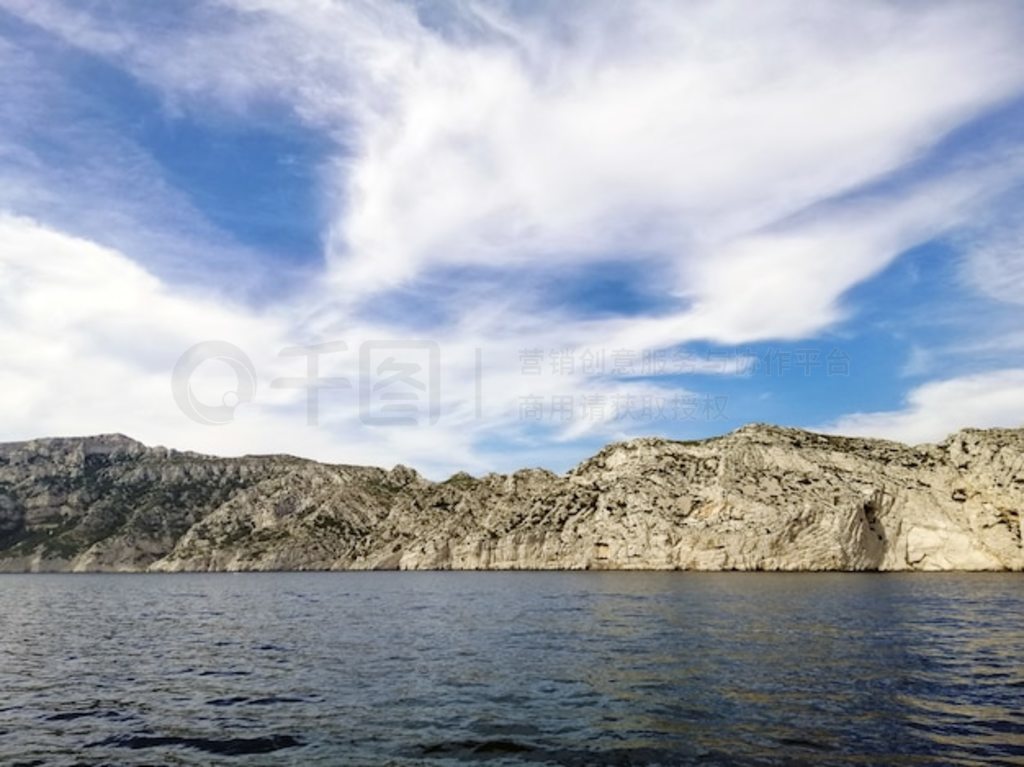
759,498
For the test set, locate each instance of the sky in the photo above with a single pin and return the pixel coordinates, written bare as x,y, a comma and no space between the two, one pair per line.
487,235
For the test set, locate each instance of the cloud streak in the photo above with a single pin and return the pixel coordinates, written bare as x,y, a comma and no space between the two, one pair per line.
755,162
938,408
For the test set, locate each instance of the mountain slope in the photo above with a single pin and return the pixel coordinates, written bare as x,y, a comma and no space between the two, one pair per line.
760,498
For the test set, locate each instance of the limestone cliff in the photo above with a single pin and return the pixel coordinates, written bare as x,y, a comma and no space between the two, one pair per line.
760,498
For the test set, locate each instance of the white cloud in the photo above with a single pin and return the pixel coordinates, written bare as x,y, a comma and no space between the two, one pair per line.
788,281
920,361
937,409
613,130
645,131
746,150
90,339
64,161
995,264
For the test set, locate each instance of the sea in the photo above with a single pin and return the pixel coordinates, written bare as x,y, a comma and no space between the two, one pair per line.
525,668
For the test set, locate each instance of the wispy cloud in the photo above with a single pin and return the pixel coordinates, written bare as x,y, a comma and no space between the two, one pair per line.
752,159
937,409
995,263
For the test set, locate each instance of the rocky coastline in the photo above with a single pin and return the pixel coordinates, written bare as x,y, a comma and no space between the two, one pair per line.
760,498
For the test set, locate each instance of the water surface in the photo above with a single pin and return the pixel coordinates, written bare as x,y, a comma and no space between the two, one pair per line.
512,668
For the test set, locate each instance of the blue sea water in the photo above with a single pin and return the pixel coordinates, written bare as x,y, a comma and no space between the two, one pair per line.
512,668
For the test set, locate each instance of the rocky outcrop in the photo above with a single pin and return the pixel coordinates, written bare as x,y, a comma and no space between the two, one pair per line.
760,498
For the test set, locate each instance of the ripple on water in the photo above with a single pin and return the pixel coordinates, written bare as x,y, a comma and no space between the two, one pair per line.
225,746
526,668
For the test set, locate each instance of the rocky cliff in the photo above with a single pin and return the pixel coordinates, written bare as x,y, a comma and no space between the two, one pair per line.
760,498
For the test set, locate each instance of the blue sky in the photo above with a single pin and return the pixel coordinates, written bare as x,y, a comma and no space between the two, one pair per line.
807,216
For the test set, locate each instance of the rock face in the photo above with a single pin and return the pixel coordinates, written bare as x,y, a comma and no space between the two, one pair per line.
760,498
